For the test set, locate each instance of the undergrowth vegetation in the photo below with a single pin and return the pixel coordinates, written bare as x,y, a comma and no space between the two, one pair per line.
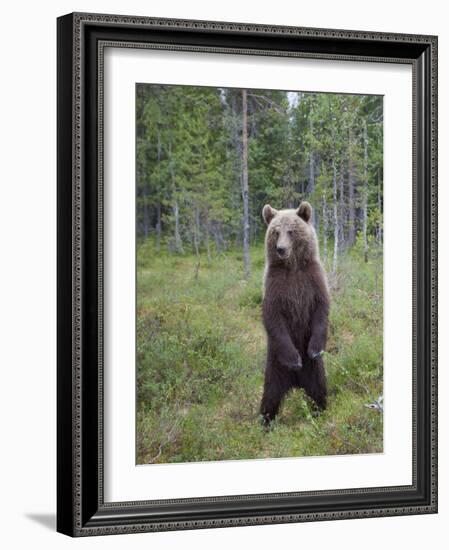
200,361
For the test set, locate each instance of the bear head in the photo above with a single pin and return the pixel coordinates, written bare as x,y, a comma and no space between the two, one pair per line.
290,239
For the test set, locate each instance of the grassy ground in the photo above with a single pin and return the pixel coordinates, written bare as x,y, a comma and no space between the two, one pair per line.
200,361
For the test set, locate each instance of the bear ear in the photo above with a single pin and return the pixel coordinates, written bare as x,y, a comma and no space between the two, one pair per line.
305,211
268,213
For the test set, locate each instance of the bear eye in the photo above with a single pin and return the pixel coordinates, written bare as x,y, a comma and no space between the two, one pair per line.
290,232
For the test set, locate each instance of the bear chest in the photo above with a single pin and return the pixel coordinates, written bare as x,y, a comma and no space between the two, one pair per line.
295,296
296,305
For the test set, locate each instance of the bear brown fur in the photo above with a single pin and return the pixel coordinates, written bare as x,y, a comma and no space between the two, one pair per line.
295,309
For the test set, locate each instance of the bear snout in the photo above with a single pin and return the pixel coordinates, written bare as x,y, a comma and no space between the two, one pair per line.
282,251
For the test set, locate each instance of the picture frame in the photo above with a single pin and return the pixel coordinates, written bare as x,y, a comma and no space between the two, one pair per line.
81,507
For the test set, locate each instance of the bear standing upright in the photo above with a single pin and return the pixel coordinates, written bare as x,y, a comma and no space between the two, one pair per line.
295,309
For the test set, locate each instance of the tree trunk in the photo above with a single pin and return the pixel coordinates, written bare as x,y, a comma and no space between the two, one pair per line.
158,226
335,207
207,238
217,243
178,240
379,206
351,204
341,217
317,221
159,207
324,227
311,186
245,190
255,226
196,239
351,192
146,214
365,192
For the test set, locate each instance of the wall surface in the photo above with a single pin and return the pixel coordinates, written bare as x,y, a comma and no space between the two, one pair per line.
27,289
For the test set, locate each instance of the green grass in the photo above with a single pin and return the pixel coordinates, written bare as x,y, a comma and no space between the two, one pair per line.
200,361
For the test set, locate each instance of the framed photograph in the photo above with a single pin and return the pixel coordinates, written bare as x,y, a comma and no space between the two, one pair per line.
247,278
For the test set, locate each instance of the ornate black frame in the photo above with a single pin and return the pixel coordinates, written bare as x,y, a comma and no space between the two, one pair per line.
81,509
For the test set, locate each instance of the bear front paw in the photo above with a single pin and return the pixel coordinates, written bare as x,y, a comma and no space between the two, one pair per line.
313,354
296,364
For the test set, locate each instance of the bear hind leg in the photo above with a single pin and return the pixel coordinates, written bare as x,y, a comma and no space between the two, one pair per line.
315,384
275,389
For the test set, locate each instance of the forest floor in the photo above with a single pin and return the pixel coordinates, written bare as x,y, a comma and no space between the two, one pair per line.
200,362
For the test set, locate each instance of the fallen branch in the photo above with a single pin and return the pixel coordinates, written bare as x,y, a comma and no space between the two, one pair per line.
169,439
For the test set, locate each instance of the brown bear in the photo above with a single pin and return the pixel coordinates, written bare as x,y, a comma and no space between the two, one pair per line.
295,309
